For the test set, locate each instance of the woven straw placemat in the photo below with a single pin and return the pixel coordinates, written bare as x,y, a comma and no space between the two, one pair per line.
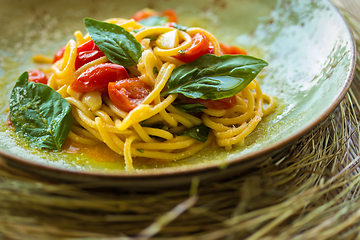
311,191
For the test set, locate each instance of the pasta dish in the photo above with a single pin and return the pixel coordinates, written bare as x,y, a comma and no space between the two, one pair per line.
146,87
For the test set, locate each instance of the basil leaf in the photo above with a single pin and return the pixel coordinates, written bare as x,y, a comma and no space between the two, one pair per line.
152,38
138,30
213,77
199,132
154,21
118,45
179,27
39,114
190,108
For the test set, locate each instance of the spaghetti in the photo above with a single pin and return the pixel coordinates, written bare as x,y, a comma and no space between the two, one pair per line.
131,114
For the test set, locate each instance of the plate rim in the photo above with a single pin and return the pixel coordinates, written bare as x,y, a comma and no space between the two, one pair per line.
201,168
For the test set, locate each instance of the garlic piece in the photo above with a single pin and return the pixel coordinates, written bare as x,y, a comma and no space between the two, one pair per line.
168,40
93,100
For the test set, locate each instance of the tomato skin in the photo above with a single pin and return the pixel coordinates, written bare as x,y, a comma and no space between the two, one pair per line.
211,49
127,94
8,121
97,77
38,76
199,47
86,57
146,13
59,54
233,50
87,46
171,15
224,103
170,24
86,53
143,14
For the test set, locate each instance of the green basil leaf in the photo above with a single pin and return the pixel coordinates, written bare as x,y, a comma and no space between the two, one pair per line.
190,108
152,38
138,30
199,132
154,21
214,77
39,114
179,27
118,45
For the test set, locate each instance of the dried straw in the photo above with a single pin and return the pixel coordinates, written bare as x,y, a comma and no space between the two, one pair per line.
307,192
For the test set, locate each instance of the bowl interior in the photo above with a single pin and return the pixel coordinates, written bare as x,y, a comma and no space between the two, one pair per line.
307,44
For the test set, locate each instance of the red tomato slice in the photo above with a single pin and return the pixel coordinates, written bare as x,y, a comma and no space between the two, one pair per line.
127,94
146,13
227,49
59,54
38,76
86,57
143,14
171,15
211,49
87,46
224,103
87,52
8,121
199,47
170,24
97,77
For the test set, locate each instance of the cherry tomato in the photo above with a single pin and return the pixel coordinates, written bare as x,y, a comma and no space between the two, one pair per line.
86,53
224,103
127,94
171,15
59,54
211,49
38,76
227,49
8,121
143,14
146,13
97,77
87,46
170,24
86,57
199,47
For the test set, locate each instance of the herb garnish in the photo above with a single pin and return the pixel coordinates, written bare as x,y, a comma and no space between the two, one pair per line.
190,108
199,132
179,27
154,21
214,77
118,45
39,114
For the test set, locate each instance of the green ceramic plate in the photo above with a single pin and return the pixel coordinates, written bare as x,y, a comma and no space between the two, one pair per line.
307,44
